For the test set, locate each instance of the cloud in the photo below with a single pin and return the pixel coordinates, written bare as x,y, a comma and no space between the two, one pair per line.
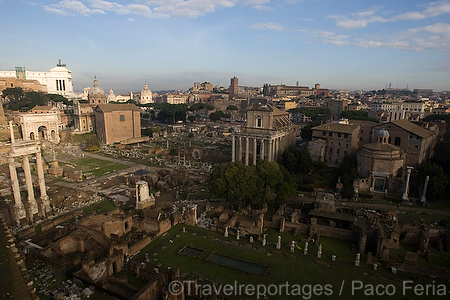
373,15
358,19
152,8
66,7
267,26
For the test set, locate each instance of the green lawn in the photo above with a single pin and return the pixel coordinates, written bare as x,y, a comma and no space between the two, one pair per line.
79,138
100,208
98,167
303,269
12,284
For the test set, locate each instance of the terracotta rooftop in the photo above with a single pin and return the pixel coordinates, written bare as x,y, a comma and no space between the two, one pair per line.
413,128
336,127
109,107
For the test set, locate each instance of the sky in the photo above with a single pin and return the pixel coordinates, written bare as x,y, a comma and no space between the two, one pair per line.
170,44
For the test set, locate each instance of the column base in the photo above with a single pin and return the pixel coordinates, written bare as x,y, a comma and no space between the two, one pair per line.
45,209
20,214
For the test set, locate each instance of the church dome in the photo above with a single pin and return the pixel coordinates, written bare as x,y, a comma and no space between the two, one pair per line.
96,89
382,133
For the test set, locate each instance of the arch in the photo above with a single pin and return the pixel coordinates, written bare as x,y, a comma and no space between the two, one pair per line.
42,132
397,141
32,136
53,134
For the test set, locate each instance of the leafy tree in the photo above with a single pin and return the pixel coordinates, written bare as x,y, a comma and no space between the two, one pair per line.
297,161
91,143
256,185
357,115
306,131
59,98
232,109
170,113
441,157
192,118
218,115
438,180
14,95
199,106
316,114
348,174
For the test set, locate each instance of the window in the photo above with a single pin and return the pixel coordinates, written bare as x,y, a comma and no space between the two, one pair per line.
416,146
324,133
259,122
122,118
346,135
339,134
397,141
330,133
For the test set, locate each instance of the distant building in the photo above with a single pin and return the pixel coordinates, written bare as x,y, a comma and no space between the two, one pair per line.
57,81
96,94
111,97
173,99
84,118
336,107
417,142
233,90
117,122
266,134
380,162
333,141
146,95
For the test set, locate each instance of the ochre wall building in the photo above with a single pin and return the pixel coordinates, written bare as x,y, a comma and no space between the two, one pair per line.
117,122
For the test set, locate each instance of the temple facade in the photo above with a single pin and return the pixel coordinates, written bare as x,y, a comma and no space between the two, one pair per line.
266,134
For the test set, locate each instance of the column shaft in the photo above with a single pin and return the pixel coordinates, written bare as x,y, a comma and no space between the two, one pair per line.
233,150
29,181
246,151
255,149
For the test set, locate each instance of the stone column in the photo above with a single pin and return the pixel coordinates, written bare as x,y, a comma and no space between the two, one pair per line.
19,209
11,131
44,197
29,181
233,150
255,149
246,150
240,150
262,149
408,175
423,199
270,150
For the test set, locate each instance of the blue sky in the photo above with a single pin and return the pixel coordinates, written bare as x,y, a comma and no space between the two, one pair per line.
170,44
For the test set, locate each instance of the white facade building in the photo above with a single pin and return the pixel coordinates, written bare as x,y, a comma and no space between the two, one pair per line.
58,80
146,95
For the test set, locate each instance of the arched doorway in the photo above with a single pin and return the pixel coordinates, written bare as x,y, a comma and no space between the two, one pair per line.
32,137
42,133
53,134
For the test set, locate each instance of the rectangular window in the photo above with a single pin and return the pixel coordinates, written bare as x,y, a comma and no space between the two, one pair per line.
346,135
122,118
324,133
339,134
330,133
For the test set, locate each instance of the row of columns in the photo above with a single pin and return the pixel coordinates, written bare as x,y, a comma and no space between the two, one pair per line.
32,205
274,145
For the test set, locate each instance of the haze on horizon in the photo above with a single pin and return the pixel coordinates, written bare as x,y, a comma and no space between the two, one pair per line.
170,44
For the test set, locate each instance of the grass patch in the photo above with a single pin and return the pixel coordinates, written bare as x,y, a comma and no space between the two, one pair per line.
79,138
301,270
98,167
99,208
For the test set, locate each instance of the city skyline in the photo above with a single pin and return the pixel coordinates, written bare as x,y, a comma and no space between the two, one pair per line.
171,44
